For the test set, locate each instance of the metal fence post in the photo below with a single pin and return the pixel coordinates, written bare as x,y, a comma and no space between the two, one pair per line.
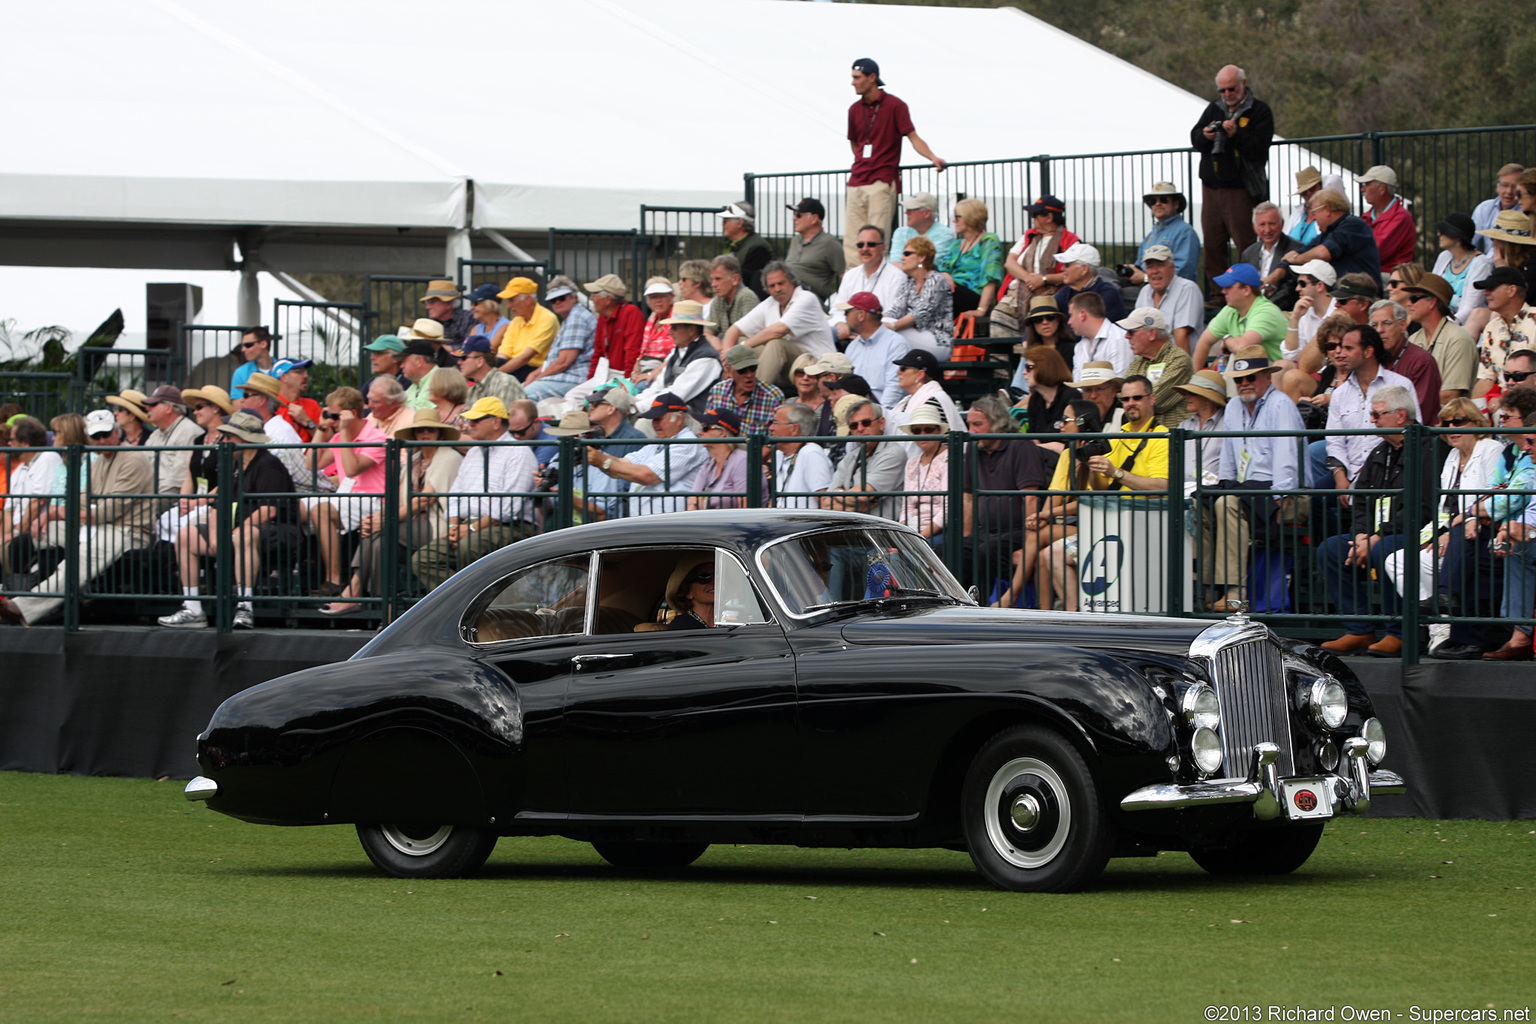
747,183
1378,147
1413,483
223,605
389,584
754,471
1176,535
565,497
72,510
954,516
1045,173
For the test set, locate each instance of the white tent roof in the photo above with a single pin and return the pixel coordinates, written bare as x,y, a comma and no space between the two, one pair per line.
317,112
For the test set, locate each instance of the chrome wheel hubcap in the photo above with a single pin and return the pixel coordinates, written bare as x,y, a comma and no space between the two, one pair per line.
1028,812
416,840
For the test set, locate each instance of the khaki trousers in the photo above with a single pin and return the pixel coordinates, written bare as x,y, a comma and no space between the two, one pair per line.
774,358
1226,538
868,204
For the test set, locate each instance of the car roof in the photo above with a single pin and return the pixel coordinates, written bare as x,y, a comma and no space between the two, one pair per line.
435,619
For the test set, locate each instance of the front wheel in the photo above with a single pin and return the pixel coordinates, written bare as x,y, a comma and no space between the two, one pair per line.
426,851
1034,819
1273,851
633,856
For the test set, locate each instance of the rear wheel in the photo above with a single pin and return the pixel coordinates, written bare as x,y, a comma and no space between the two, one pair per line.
1273,851
427,851
634,856
1034,819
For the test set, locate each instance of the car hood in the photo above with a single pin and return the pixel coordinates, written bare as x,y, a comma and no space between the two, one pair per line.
968,625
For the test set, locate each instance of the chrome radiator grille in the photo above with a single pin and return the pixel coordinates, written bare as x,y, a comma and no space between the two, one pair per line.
1250,684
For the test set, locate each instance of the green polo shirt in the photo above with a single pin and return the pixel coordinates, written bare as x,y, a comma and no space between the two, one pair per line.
1263,316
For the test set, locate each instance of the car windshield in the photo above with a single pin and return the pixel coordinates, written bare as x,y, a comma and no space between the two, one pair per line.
822,570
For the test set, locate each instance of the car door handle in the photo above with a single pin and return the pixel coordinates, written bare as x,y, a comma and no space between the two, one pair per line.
582,659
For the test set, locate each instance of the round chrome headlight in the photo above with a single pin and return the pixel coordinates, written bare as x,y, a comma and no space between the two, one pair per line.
1201,708
1375,740
1205,749
1328,703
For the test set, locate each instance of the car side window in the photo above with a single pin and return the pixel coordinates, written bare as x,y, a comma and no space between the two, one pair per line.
736,600
548,599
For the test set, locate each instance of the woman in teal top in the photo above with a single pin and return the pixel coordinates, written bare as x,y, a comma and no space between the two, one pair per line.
974,261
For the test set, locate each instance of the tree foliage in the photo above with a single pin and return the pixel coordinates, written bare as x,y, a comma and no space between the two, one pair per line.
1326,67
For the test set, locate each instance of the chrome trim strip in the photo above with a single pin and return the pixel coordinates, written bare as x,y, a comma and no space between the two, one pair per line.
1383,781
1172,795
201,788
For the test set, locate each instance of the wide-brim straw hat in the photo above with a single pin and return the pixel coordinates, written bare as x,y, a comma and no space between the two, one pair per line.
263,384
1095,374
131,400
210,393
1206,384
427,419
1511,226
572,423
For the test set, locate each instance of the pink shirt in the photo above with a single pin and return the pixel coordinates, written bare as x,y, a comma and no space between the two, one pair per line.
370,480
925,513
656,342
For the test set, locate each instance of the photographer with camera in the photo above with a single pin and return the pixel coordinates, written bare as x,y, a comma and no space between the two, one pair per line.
1233,137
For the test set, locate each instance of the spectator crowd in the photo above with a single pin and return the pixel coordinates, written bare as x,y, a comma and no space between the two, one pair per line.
1265,323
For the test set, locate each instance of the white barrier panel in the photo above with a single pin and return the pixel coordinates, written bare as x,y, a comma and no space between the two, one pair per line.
1122,555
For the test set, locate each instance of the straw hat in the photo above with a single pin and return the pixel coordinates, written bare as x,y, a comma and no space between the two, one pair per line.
1307,177
1206,384
1508,226
131,400
573,424
1096,373
210,393
927,415
426,419
247,427
263,385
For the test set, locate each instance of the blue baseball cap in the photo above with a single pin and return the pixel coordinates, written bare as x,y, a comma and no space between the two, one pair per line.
474,343
1243,273
282,366
480,294
865,66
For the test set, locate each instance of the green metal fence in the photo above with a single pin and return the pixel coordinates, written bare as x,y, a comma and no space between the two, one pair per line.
1142,553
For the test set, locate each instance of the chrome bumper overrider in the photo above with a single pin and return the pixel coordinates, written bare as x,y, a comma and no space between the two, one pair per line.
1262,787
201,788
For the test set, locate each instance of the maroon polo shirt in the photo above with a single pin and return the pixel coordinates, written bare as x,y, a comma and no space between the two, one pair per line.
882,125
1420,367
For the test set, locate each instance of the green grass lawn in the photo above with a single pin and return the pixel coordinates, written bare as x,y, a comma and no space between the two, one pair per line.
123,902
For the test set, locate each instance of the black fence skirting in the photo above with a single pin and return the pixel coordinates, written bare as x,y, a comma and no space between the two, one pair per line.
131,702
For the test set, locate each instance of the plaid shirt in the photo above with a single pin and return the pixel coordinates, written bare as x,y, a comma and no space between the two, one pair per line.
756,413
578,330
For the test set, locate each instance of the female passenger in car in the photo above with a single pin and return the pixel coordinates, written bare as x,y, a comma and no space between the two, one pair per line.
691,593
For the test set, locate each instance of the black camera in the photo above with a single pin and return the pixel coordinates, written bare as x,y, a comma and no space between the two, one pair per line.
1093,446
1126,271
1214,126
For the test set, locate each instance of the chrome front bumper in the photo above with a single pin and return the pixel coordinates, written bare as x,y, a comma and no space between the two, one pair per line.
1352,793
201,788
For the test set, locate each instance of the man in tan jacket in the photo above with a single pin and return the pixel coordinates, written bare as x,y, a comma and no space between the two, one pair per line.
109,524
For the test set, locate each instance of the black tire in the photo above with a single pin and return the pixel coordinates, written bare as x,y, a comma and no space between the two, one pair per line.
1034,818
632,856
427,851
1272,851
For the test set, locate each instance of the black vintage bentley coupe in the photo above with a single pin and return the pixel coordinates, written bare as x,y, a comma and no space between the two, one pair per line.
839,689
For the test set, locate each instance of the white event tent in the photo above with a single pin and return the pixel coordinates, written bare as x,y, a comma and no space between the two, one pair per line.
315,135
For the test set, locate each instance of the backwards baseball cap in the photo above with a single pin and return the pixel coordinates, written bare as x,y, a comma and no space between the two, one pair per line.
867,301
490,405
665,402
99,422
1144,316
1080,252
865,66
809,205
1243,273
385,343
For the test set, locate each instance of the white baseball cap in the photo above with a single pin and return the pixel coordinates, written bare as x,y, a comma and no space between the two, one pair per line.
99,421
1080,252
1320,269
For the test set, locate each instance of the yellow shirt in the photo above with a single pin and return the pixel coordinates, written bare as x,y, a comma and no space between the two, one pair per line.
538,335
1152,462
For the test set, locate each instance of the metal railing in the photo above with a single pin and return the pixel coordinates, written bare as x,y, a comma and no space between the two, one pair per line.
1140,552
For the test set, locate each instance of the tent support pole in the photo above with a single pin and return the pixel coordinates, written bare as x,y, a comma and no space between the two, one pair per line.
506,243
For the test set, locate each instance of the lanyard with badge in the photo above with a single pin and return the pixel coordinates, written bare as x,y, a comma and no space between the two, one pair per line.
1245,458
871,115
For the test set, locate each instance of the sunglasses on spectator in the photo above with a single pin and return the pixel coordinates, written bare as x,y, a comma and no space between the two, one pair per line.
868,245
860,423
531,430
1076,420
1131,398
249,344
1158,199
1378,415
1331,345
907,252
927,430
1518,375
703,576
1394,283
1460,421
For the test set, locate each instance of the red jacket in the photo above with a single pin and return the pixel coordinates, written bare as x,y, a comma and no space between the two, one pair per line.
1395,233
618,337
